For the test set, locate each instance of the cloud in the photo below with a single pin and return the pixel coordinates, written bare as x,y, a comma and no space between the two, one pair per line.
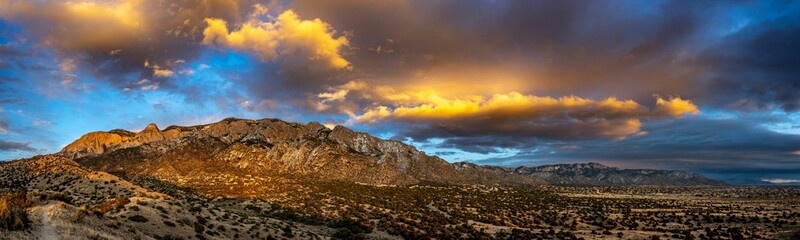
287,36
780,181
111,39
754,66
81,24
16,146
151,87
39,122
675,107
563,48
158,71
3,126
515,114
143,81
338,94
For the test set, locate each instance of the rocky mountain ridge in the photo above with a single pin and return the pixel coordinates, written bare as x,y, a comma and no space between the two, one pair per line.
599,174
270,147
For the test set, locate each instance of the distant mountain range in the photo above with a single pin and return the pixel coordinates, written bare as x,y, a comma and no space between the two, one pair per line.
599,174
271,147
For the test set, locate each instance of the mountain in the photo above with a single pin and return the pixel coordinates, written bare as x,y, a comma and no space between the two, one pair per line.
243,150
599,174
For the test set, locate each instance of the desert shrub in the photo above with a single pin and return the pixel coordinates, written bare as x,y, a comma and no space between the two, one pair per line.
195,209
199,228
138,218
110,205
344,233
170,237
352,226
162,209
169,224
59,197
202,220
13,215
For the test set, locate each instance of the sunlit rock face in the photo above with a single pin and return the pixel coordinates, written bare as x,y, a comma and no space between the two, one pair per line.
100,142
270,147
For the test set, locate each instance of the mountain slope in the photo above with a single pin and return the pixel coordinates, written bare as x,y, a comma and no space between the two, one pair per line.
65,200
49,174
243,150
598,174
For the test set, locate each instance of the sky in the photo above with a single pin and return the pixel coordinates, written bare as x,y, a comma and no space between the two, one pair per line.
706,86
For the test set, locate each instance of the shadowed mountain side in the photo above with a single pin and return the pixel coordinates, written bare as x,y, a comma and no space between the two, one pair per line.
270,147
598,174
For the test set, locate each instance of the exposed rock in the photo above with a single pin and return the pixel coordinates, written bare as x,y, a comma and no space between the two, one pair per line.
270,147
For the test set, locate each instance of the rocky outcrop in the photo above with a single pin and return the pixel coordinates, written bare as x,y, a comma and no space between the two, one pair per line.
95,143
599,174
269,148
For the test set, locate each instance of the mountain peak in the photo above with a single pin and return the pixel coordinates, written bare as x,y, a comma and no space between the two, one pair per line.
152,127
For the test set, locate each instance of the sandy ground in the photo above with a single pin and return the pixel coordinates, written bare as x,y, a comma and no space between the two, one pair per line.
41,218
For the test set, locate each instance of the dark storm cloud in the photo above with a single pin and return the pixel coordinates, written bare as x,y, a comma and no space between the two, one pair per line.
557,47
758,66
627,49
737,56
16,146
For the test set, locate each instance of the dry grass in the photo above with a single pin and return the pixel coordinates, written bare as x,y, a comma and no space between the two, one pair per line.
110,205
13,214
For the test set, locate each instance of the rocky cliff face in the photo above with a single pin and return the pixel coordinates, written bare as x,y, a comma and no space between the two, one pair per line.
598,174
269,148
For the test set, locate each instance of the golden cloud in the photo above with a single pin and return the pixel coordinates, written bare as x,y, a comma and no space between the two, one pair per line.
80,24
675,107
287,36
568,117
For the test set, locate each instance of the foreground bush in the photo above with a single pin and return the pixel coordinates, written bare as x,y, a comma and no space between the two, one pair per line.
13,215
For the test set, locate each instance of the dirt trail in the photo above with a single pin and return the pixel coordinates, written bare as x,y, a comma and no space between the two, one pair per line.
46,232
